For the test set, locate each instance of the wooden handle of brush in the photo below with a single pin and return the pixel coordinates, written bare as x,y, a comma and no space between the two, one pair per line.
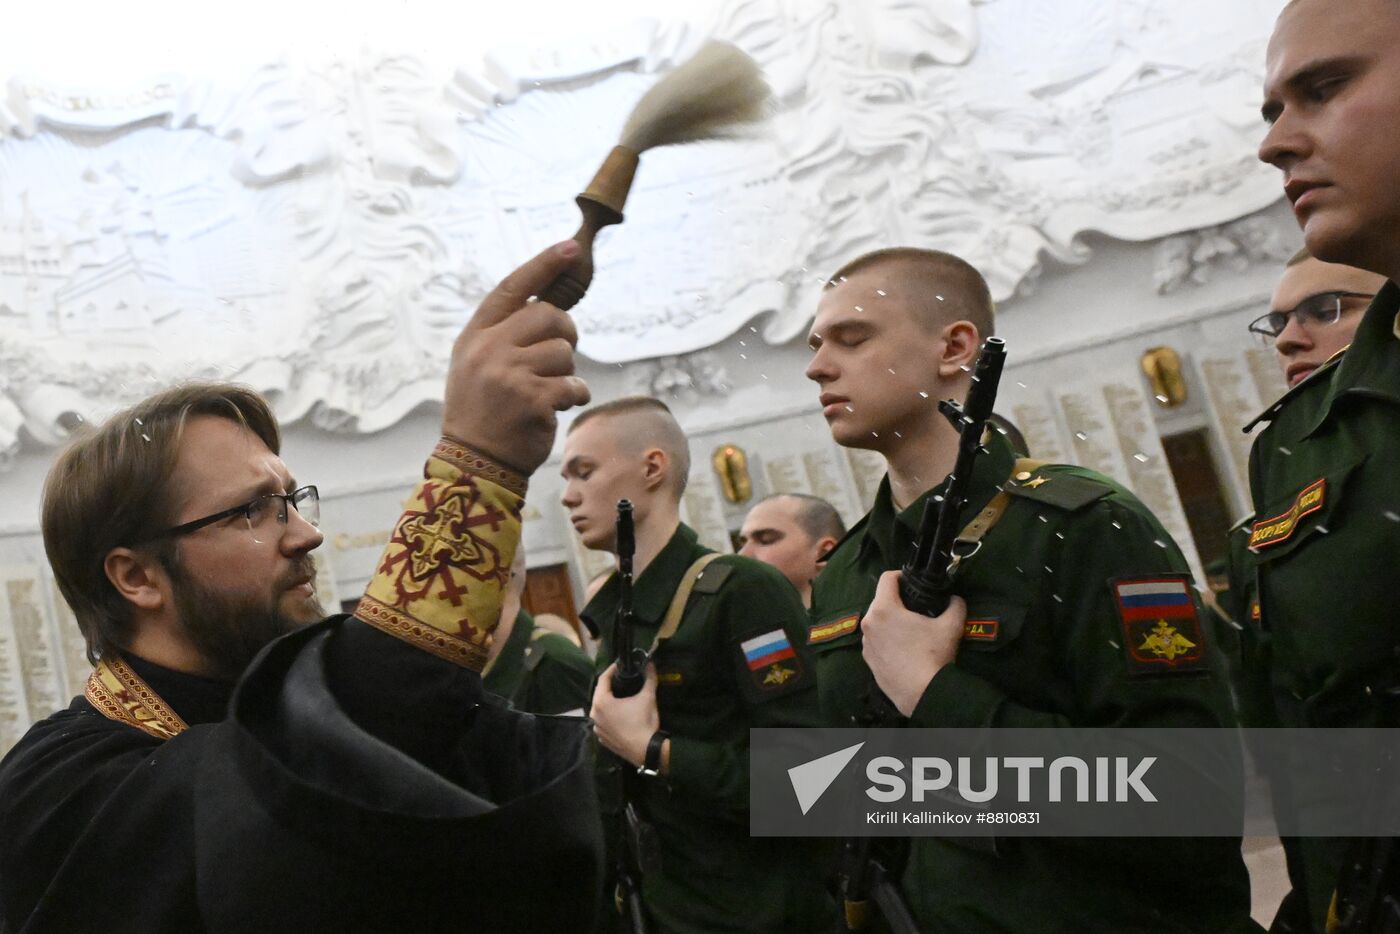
564,292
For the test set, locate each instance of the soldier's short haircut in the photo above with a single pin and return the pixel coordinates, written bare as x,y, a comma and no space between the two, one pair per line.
110,488
650,424
817,517
931,274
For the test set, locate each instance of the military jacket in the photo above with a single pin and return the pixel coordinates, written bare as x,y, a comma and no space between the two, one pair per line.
1048,643
540,671
1326,544
736,662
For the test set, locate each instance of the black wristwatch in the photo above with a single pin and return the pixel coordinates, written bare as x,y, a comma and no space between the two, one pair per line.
651,763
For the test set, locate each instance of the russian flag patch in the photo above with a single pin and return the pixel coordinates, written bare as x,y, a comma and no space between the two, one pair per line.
772,662
1161,629
767,649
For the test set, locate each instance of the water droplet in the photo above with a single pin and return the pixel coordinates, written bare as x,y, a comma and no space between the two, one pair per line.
1060,536
849,409
145,437
139,422
1057,598
1021,384
1159,543
1114,644
1392,515
1049,569
743,356
880,292
965,368
1162,399
753,329
1285,451
874,434
764,375
891,369
1141,458
859,308
939,297
742,344
898,435
923,394
1042,518
1322,530
1117,526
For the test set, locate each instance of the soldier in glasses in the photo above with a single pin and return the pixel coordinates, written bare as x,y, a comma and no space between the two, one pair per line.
1314,313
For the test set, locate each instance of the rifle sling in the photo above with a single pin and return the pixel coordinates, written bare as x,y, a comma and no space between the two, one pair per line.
672,620
973,533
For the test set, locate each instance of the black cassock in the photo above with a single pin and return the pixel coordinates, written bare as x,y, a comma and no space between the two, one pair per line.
356,783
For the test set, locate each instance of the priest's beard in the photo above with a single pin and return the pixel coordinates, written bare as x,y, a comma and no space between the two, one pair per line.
229,629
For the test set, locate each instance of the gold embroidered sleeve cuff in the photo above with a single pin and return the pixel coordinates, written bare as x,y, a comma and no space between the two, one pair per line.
441,578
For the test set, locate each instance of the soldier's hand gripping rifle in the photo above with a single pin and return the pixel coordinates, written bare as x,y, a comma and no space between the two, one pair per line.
634,847
926,586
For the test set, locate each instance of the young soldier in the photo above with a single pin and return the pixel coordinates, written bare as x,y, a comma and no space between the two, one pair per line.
1311,320
538,671
793,532
1326,494
734,663
349,779
1044,637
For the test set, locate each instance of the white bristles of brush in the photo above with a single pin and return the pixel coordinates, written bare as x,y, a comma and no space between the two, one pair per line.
717,91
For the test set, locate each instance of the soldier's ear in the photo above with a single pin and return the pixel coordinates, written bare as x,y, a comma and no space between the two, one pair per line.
656,467
824,546
961,343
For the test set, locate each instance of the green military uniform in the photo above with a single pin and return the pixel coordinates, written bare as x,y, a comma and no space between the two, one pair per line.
1249,647
713,876
540,671
1047,644
1326,543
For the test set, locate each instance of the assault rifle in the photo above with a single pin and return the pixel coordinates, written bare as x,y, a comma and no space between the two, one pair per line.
925,586
636,850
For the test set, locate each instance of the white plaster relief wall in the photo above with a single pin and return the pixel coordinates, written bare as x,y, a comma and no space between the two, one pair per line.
365,255
356,207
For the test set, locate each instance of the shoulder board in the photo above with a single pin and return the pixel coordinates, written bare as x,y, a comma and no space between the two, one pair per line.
713,577
1063,490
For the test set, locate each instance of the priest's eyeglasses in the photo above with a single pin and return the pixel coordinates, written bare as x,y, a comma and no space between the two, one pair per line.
1313,312
260,510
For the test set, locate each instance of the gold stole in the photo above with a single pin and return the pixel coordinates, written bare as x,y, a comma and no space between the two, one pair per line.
120,694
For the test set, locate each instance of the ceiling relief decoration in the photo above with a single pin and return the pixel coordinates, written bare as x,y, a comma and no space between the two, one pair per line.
322,230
